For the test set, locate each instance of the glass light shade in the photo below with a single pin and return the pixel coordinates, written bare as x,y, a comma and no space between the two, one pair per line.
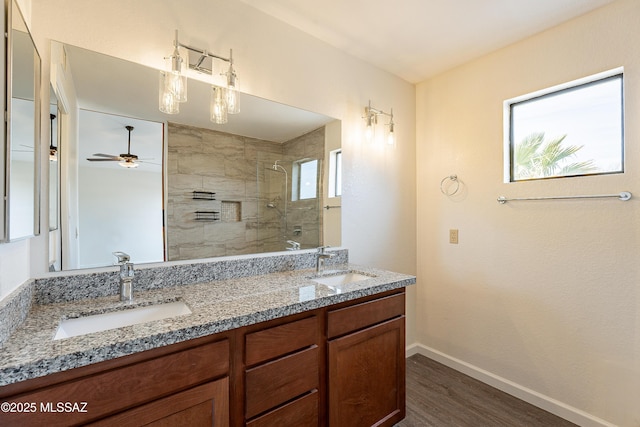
233,95
176,79
391,139
53,154
369,132
218,105
128,165
391,136
233,101
167,101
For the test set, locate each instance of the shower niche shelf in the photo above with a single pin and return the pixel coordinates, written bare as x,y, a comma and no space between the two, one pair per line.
203,195
207,216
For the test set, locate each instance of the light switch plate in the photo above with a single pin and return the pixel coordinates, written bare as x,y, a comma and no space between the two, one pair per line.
453,236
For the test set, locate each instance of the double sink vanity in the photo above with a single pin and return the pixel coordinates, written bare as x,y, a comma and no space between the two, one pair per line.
257,340
269,339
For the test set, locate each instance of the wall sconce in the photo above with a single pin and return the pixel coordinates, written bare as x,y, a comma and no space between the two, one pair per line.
53,151
371,116
173,83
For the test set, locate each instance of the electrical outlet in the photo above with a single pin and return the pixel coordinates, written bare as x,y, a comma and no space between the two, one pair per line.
453,236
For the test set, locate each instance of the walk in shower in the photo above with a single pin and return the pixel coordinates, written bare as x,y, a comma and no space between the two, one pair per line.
285,220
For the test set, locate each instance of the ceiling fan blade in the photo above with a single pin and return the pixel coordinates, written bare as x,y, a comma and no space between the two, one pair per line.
149,163
106,155
111,156
103,160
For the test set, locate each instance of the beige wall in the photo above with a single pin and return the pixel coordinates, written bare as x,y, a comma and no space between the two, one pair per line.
545,295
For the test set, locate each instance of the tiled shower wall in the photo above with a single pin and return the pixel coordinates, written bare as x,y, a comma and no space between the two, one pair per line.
306,214
234,168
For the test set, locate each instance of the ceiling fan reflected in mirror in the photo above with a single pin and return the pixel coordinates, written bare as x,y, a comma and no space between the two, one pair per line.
126,160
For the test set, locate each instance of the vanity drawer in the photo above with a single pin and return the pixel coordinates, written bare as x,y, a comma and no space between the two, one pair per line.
281,380
280,340
122,388
302,412
349,319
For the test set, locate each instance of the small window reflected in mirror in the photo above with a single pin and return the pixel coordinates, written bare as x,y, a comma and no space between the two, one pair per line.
335,173
305,179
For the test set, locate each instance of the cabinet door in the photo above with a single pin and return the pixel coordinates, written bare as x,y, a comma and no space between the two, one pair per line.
367,376
205,405
110,391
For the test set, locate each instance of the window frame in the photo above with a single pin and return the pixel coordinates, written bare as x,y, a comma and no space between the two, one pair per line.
296,193
335,173
509,143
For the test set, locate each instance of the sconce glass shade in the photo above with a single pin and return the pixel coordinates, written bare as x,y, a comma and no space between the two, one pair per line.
368,133
371,117
369,130
218,105
167,101
233,95
391,139
391,136
53,154
175,78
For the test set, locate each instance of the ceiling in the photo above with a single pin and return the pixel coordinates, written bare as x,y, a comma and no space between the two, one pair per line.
416,39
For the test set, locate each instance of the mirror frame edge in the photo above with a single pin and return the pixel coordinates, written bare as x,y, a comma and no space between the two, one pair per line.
5,233
4,180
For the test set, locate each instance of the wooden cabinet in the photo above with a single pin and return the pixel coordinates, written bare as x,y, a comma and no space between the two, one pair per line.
205,405
302,412
366,380
114,386
342,365
282,374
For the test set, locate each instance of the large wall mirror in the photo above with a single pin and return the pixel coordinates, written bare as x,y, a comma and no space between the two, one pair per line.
22,218
197,189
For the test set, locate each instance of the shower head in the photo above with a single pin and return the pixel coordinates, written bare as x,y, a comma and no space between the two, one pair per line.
272,205
278,168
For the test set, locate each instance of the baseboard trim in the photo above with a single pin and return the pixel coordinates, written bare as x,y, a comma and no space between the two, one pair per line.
412,349
530,396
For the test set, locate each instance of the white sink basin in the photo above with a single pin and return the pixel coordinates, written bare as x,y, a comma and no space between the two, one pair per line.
341,279
118,319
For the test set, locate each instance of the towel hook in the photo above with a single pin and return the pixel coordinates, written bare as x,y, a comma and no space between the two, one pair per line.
452,188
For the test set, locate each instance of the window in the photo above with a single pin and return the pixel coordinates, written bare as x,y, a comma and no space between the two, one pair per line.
573,130
305,179
335,173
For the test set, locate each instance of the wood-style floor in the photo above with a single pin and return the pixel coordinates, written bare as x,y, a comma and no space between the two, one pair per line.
439,396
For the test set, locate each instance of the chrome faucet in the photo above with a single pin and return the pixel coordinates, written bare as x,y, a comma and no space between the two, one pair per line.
295,246
126,276
321,256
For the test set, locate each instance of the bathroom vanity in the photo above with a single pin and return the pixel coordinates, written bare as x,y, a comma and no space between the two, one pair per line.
280,348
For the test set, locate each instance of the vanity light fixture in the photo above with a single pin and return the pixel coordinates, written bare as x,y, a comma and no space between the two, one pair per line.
173,82
53,151
371,117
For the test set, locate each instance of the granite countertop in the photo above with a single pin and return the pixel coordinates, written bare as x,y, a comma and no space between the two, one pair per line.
216,306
